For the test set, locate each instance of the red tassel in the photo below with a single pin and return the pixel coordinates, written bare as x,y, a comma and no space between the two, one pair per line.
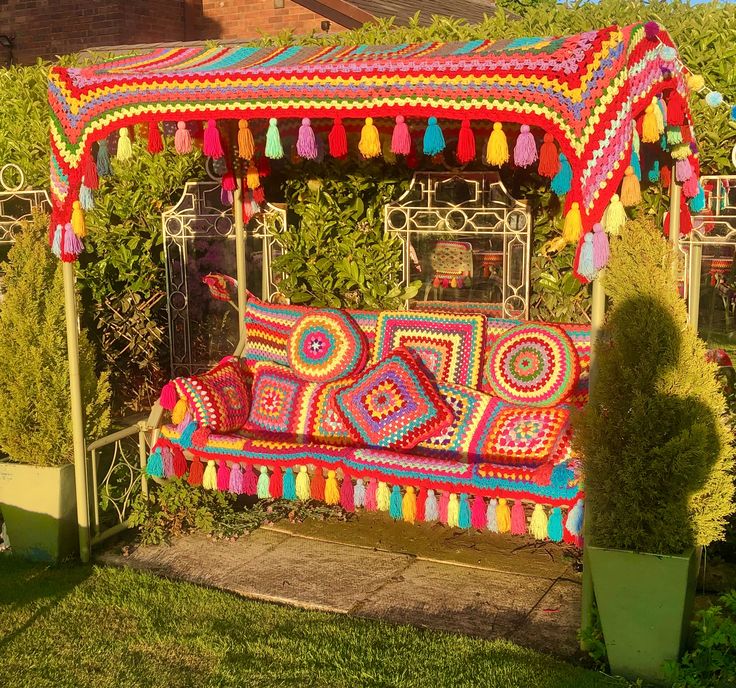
201,436
549,160
317,486
196,471
259,195
228,181
180,461
675,110
91,180
421,502
275,483
155,142
212,142
223,477
263,167
465,143
664,175
338,139
250,483
347,497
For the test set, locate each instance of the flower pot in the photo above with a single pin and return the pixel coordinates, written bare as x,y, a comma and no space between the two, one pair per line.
39,506
645,602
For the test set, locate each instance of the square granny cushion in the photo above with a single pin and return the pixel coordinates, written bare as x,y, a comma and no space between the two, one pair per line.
218,399
394,404
450,346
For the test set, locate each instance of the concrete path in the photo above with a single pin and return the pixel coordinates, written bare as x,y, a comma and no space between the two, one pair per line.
530,596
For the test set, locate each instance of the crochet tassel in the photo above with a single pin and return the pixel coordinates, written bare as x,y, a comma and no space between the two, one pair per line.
665,174
72,243
549,160
394,509
185,438
554,527
697,202
125,148
636,164
223,477
491,520
182,139
274,149
464,519
615,217
673,136
683,171
465,143
212,143
78,226
155,141
359,494
155,464
91,178
676,110
179,412
562,181
660,112
649,126
453,511
434,140
317,485
421,504
497,152
431,508
103,159
168,396
86,199
538,524
347,495
478,513
370,142
196,472
332,490
653,175
288,484
275,484
246,144
383,497
209,479
371,503
503,516
306,143
574,521
250,484
401,138
56,243
601,251
518,518
179,462
262,487
690,187
444,505
252,178
338,139
302,485
525,150
586,262
409,505
573,227
236,480
630,189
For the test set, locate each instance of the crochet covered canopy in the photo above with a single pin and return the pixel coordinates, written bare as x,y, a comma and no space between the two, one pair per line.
588,91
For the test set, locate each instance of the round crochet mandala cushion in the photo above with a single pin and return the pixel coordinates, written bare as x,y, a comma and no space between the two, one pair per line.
533,365
326,346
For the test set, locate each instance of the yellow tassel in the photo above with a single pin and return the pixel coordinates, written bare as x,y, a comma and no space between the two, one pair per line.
252,179
503,516
614,218
125,149
630,190
332,490
370,142
573,226
302,485
497,152
180,410
409,505
538,524
453,511
78,225
649,126
658,115
209,479
246,145
383,496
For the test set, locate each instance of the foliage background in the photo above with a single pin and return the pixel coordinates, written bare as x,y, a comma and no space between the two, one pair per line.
123,271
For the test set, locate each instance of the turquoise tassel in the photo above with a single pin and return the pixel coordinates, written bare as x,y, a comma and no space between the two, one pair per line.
575,518
155,464
586,264
491,522
86,198
395,505
636,164
274,149
463,520
288,490
697,203
103,159
185,439
562,181
434,141
262,487
654,172
663,142
554,526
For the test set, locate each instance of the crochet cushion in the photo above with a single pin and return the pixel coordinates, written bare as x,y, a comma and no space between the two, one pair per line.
324,423
326,345
533,365
450,345
218,399
394,404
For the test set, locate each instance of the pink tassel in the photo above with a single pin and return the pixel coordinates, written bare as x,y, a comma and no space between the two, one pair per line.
338,139
223,477
444,503
250,484
401,139
346,494
72,244
236,479
212,142
167,457
182,139
690,187
683,170
155,142
306,144
601,250
465,143
168,396
370,495
478,513
518,518
525,150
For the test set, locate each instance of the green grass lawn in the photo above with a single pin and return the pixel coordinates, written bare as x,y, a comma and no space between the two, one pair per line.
101,627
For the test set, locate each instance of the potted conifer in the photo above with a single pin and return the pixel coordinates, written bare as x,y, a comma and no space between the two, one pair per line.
37,496
657,458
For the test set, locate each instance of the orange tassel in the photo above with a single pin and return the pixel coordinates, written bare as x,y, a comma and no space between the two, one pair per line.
246,144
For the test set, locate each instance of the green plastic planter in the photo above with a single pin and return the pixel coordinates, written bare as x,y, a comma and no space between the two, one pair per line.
645,602
40,510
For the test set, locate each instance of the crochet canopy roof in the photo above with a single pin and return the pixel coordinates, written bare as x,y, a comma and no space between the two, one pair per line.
587,90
